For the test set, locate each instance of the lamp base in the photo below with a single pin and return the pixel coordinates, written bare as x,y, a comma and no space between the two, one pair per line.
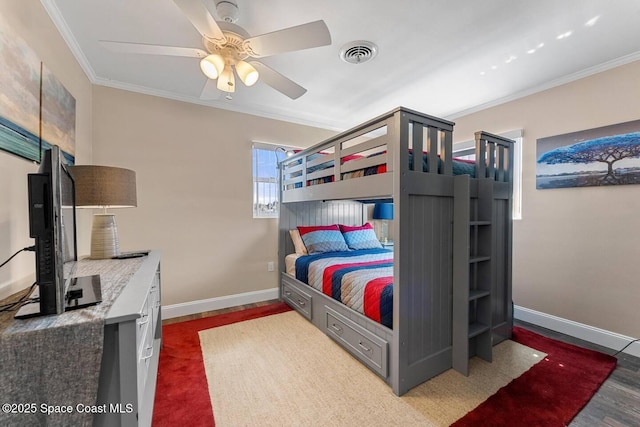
104,237
384,235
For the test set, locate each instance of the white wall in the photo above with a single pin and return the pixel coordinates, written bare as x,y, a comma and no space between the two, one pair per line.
194,175
575,249
29,20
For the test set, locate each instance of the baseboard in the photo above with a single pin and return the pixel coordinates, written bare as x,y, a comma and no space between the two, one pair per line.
194,307
579,330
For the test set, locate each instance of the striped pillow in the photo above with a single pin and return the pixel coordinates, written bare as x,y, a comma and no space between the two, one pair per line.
323,238
362,237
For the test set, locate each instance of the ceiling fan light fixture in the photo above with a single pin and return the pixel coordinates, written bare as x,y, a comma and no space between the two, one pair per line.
226,81
212,66
247,73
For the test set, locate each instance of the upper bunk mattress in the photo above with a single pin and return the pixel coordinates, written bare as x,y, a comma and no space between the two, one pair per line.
362,280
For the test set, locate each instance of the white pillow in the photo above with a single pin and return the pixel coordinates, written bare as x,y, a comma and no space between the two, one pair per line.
301,249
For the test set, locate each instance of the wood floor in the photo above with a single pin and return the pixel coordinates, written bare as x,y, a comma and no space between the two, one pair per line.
221,311
616,404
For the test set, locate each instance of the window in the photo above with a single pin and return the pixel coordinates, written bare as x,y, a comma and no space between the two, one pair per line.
266,193
466,150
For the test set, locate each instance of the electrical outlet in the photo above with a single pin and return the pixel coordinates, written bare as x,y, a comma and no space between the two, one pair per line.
270,266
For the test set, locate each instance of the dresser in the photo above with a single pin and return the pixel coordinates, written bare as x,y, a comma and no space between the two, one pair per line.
91,367
132,337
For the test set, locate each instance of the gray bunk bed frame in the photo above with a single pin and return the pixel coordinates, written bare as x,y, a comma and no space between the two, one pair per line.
452,243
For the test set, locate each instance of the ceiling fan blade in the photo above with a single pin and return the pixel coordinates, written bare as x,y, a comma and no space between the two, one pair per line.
153,49
210,90
278,81
201,18
305,36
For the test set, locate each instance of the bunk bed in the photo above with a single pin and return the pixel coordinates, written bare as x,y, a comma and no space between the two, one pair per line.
451,260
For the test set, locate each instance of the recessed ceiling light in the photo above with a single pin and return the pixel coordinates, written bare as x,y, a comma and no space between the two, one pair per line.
530,51
494,67
591,22
564,35
540,45
482,73
510,59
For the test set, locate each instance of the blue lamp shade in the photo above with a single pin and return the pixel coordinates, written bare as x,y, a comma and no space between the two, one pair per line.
383,211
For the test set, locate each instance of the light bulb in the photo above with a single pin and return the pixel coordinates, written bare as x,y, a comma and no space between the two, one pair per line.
212,66
247,73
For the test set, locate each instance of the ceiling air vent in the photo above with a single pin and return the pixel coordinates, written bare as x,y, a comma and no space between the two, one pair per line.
358,52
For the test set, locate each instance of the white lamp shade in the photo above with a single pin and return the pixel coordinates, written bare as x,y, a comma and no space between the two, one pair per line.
247,73
226,81
212,66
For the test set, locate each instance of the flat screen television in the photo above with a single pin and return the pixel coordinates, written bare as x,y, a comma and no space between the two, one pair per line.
52,223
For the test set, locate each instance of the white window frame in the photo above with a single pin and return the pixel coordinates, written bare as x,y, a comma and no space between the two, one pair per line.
468,147
266,188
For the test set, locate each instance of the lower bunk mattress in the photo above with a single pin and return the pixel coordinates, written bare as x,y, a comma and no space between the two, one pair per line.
360,279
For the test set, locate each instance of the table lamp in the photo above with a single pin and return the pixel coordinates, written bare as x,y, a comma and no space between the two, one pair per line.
384,212
104,187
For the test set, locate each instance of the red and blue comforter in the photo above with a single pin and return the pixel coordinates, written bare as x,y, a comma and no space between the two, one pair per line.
361,280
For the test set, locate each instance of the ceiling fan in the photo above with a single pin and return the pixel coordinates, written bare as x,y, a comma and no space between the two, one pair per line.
229,47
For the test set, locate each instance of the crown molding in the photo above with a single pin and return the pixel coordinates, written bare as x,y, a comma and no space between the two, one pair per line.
335,125
605,66
58,20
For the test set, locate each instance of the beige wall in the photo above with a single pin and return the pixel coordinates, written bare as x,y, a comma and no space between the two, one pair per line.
575,249
194,175
29,20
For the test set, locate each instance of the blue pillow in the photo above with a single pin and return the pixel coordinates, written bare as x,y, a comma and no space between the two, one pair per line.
362,237
323,238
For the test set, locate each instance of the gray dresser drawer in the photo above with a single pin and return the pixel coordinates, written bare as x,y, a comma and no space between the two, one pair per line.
365,346
144,343
297,299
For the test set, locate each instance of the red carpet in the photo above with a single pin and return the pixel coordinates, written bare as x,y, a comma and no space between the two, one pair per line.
549,394
182,393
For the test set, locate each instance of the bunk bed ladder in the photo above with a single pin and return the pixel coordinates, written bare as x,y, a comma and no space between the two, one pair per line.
473,272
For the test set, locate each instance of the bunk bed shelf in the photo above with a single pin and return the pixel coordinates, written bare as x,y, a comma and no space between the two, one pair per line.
477,294
477,328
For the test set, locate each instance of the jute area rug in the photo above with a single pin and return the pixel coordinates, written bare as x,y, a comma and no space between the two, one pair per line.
280,370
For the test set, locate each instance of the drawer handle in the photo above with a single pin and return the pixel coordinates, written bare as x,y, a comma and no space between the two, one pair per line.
287,293
150,353
301,303
364,347
336,328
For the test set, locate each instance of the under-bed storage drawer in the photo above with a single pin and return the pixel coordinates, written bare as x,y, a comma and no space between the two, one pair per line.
367,347
297,299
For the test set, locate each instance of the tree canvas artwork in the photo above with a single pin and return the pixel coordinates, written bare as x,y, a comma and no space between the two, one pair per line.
609,155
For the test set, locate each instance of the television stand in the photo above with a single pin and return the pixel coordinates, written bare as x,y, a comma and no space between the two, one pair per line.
82,292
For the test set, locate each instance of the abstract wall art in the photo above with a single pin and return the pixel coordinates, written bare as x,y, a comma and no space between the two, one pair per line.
19,96
36,110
